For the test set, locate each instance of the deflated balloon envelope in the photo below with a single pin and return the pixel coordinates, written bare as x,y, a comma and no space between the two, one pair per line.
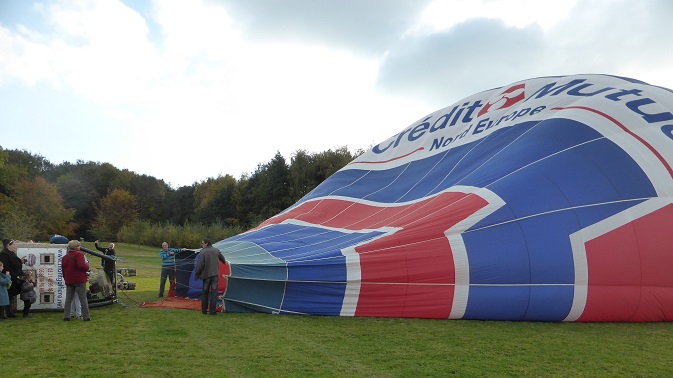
549,199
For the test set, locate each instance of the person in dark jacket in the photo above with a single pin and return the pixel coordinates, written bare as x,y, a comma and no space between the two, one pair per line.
75,268
208,269
109,266
14,266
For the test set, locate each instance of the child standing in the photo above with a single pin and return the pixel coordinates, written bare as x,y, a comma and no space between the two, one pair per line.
5,279
28,295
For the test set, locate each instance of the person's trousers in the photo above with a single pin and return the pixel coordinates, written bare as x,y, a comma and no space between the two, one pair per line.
12,303
209,293
76,308
166,272
70,292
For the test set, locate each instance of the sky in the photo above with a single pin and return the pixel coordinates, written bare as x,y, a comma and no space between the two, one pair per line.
190,90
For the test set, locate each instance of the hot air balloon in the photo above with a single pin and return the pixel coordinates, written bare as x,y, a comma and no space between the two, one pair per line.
549,199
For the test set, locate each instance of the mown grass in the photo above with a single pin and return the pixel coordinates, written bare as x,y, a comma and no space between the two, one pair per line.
125,340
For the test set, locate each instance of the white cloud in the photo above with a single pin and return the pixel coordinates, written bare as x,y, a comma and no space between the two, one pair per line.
361,27
467,46
443,14
23,57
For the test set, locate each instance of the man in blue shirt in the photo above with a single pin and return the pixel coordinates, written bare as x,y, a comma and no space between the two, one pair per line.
167,265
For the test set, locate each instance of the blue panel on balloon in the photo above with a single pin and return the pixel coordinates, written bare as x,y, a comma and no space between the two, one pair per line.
267,294
498,255
332,269
549,303
259,271
497,303
314,298
184,267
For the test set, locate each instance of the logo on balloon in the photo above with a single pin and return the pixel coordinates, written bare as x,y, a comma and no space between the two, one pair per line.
506,99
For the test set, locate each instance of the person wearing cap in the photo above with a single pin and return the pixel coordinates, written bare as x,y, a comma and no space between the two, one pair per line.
75,267
12,265
108,265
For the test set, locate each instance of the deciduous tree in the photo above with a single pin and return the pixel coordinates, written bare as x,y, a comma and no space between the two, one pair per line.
40,200
214,199
114,211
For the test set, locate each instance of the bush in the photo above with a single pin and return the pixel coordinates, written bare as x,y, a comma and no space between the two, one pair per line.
188,236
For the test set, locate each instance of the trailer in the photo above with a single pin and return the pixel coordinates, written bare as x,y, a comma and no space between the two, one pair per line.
44,260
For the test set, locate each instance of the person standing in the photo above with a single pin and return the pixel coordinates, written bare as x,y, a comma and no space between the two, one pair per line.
208,269
167,266
76,308
28,295
5,279
75,268
13,266
108,265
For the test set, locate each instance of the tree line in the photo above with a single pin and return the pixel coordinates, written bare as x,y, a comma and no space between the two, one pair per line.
94,200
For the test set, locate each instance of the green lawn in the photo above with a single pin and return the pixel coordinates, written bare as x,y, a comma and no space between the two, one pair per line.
125,340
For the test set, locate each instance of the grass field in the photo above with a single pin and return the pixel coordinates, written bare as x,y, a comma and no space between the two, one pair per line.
125,340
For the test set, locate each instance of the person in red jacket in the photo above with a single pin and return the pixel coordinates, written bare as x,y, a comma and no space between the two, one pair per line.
75,270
